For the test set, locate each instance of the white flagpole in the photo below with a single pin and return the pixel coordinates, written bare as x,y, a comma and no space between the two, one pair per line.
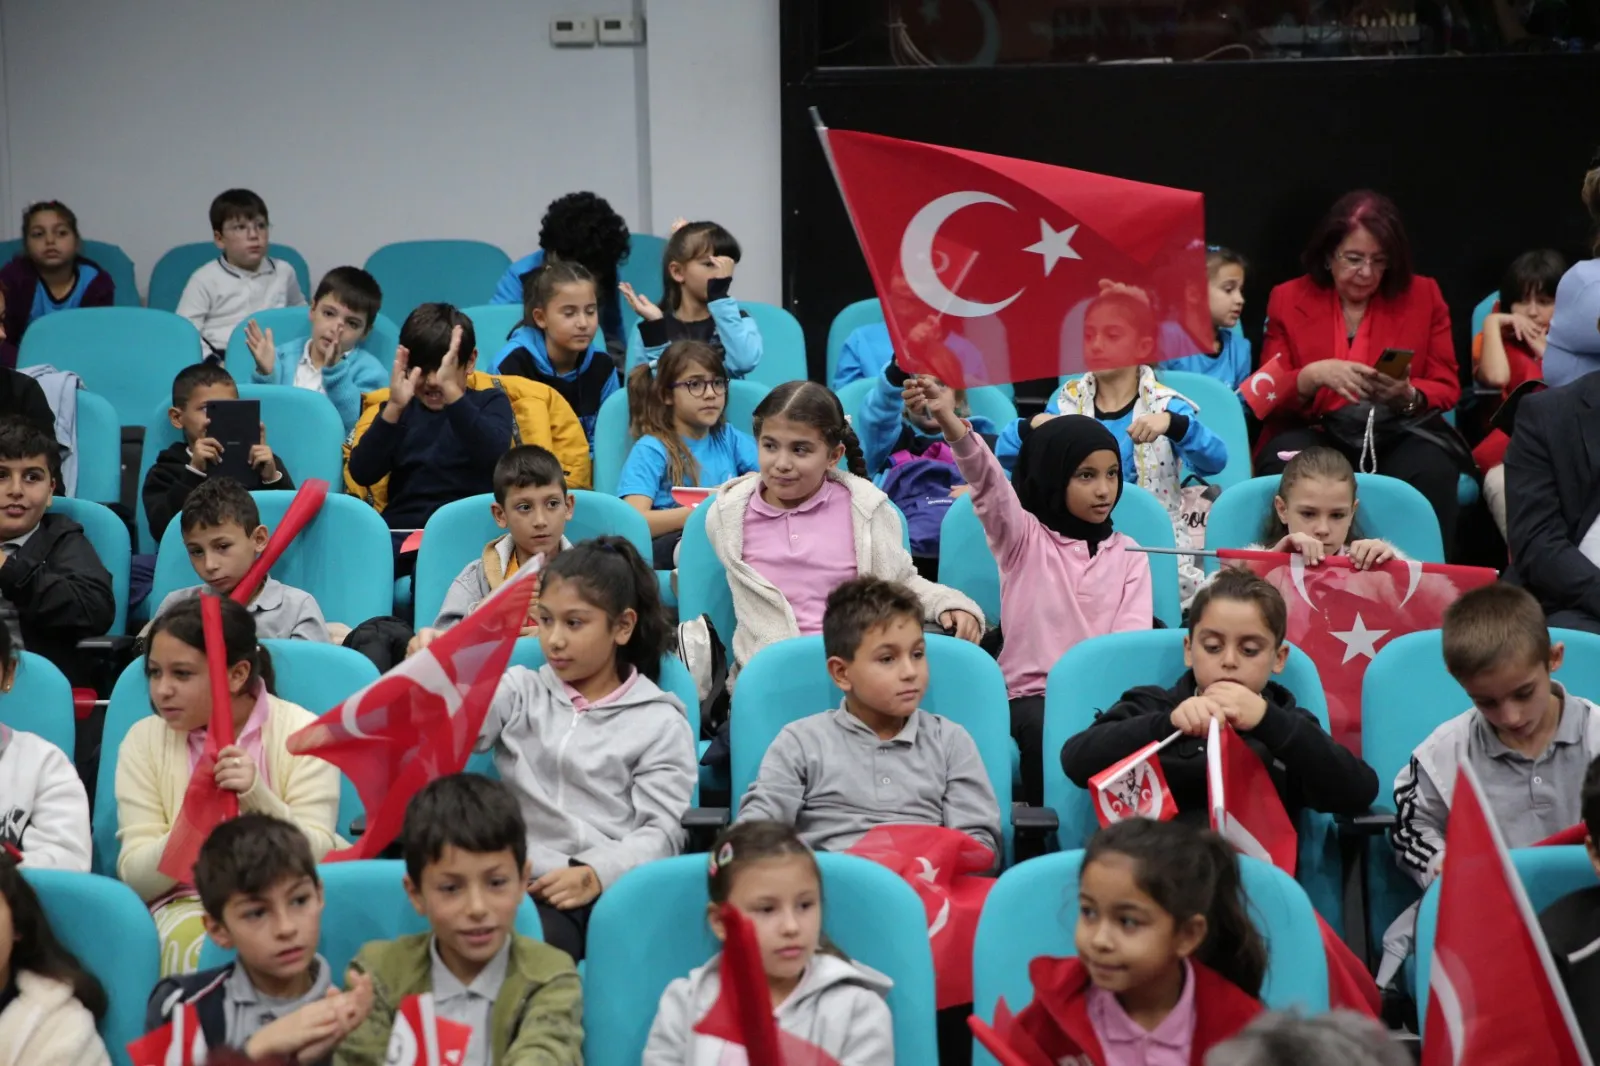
1214,774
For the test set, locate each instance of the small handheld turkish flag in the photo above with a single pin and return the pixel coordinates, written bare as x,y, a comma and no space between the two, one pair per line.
421,1038
993,269
1135,787
1271,388
1245,806
178,1043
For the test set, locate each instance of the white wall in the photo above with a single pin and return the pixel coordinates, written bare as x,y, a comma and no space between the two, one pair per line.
368,121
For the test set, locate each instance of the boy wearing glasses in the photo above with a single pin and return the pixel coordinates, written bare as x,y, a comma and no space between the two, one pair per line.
243,279
678,412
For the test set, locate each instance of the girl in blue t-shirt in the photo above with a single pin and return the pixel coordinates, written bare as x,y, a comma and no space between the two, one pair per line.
678,412
50,275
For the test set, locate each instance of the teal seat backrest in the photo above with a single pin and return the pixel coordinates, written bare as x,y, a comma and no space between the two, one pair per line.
1386,508
99,449
172,270
108,535
1221,413
493,324
111,258
456,272
642,270
783,344
650,928
129,355
40,702
846,322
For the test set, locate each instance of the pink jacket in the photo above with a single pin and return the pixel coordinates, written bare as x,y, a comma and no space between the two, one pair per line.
1052,592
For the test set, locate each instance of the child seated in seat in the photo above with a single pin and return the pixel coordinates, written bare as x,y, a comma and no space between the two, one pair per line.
332,360
1314,513
532,504
1509,351
1230,362
1234,646
696,272
223,534
467,864
51,1004
601,760
44,809
1571,924
833,1004
161,752
679,418
556,343
1527,738
1065,573
263,901
435,434
49,572
183,466
243,279
50,273
820,774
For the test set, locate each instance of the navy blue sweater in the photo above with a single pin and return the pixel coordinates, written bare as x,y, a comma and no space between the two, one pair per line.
434,457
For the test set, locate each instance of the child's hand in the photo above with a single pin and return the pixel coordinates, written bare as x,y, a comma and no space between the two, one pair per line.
964,624
425,636
235,771
958,491
677,224
569,887
1193,716
450,377
354,1004
922,391
261,347
205,452
1243,708
261,457
1365,554
403,382
725,266
1147,429
641,304
1523,328
1309,547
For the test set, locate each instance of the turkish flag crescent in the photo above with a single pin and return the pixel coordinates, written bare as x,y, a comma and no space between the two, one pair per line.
178,1043
990,268
940,864
1493,992
419,721
1134,787
1271,388
1339,616
420,1037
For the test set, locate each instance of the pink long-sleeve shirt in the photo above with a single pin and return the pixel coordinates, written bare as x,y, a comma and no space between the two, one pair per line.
1053,593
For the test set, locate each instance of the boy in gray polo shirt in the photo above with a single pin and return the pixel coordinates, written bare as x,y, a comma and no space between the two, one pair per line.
263,900
878,759
223,534
1527,738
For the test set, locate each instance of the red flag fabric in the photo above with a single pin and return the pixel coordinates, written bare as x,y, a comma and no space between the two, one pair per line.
1341,616
1493,991
421,1038
1245,807
939,863
302,509
1272,388
205,806
1009,1043
743,1015
419,721
985,264
1134,787
1572,834
178,1043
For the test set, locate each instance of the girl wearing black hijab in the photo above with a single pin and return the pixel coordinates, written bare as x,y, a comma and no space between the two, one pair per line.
1065,574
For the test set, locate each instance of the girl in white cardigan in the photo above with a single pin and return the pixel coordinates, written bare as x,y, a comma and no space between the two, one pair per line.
799,528
160,753
49,1004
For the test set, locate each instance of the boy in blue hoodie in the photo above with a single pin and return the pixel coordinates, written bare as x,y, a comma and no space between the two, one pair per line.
331,360
556,342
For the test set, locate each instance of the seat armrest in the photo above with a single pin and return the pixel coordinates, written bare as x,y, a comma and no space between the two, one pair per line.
703,824
1034,831
1374,822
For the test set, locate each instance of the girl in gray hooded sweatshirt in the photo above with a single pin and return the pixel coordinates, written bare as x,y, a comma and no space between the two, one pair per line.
602,762
818,996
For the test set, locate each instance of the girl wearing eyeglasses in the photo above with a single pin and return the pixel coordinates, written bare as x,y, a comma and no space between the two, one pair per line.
678,413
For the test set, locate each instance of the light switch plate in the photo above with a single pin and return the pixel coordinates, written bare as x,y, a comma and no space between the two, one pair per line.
621,29
572,31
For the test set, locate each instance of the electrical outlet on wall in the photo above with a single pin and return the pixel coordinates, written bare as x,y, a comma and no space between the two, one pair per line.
621,29
572,31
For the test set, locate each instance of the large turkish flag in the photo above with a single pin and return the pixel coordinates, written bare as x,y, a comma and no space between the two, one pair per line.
987,266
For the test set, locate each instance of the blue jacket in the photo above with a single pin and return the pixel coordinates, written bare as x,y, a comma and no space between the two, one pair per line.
883,429
509,291
728,329
344,382
866,352
525,355
1231,365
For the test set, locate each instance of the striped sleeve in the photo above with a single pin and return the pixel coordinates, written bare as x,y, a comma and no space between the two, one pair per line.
1419,822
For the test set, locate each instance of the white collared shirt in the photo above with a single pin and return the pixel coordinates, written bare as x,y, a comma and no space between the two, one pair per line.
220,295
470,1004
308,375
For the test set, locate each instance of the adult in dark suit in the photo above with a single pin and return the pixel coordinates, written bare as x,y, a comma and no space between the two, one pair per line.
1358,298
1553,489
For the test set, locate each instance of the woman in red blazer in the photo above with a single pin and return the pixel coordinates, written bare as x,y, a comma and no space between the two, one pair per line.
1358,298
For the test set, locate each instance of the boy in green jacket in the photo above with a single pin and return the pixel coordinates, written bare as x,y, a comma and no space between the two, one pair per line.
466,867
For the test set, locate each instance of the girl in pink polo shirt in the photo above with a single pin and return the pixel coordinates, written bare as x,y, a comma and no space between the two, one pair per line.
799,528
1065,575
1168,962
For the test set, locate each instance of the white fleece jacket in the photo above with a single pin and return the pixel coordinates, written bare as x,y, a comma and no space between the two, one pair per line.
838,1006
47,1026
44,810
763,615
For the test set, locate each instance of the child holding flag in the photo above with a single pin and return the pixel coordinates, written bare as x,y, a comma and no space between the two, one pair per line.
160,754
1234,646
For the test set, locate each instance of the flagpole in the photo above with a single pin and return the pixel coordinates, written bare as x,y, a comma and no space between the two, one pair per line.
1201,553
1214,773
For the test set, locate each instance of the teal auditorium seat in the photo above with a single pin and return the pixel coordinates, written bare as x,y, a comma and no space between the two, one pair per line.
40,702
129,355
108,534
111,258
99,449
418,272
1387,508
171,272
